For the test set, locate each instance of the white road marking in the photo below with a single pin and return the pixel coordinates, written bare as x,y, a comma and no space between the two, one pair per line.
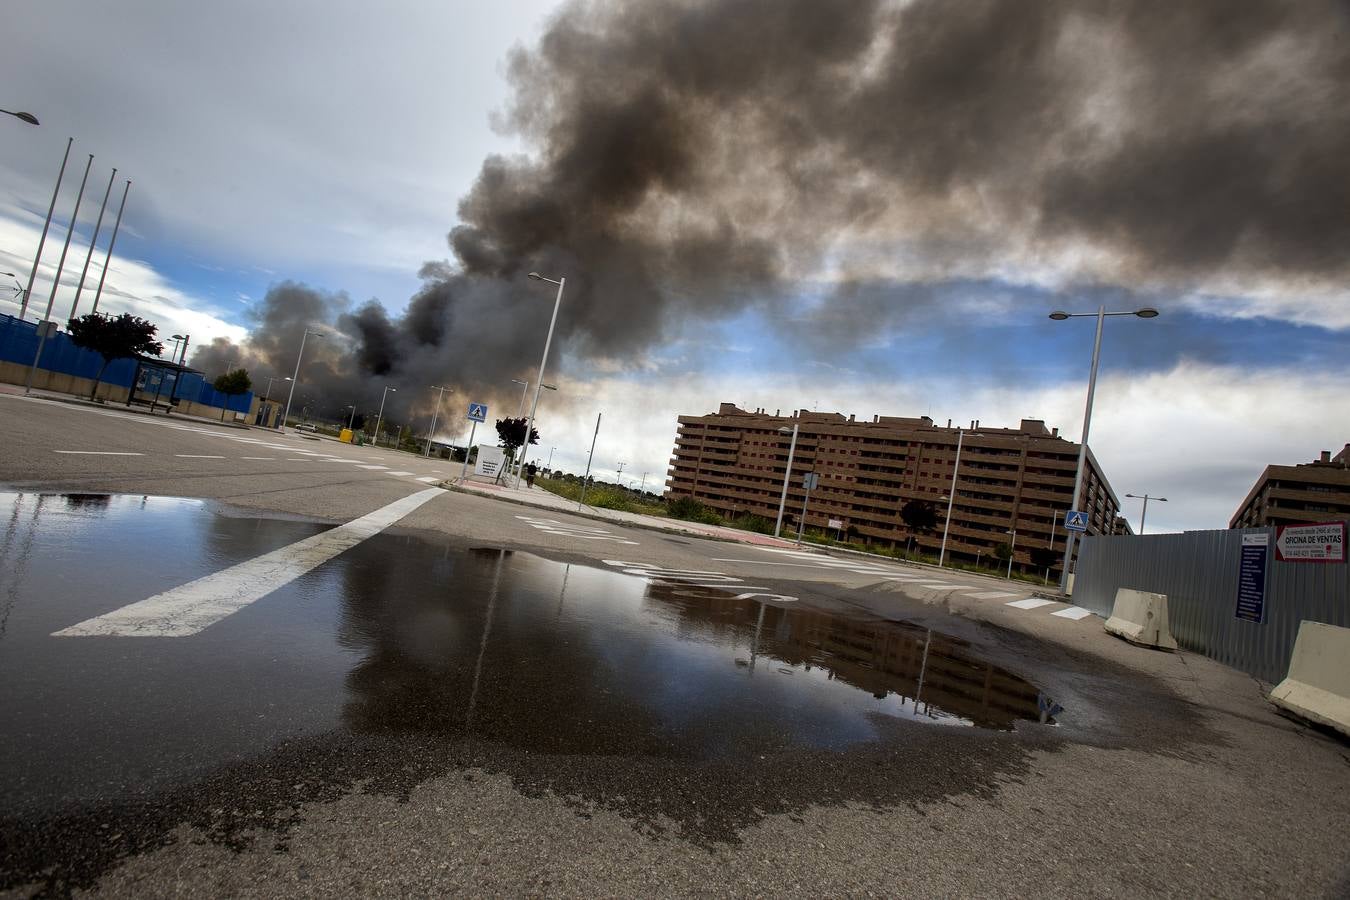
1029,603
196,456
191,607
586,533
1073,612
399,474
993,595
258,457
692,577
297,459
930,584
428,479
99,453
362,466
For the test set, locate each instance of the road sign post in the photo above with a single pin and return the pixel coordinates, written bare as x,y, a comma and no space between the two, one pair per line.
1076,520
477,413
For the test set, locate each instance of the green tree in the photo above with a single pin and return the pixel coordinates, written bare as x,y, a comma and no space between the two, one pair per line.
511,434
113,337
919,515
231,384
1003,551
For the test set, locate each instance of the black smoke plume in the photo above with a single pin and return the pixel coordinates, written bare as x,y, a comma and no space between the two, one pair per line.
691,158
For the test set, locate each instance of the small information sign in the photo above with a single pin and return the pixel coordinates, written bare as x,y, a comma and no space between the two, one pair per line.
1251,598
1320,542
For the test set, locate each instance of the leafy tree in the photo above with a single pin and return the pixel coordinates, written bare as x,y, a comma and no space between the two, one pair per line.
232,384
511,434
1044,557
1003,551
113,337
919,515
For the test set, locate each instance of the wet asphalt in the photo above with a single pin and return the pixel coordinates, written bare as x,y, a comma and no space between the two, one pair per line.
468,704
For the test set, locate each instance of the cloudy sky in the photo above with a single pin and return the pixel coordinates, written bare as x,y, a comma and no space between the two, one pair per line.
868,208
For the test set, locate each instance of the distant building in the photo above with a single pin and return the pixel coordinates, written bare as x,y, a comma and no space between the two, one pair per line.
1011,478
1317,491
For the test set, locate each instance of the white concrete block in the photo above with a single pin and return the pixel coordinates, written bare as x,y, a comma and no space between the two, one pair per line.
1318,684
1140,617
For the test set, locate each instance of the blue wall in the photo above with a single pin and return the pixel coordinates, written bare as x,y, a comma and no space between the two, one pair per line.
19,341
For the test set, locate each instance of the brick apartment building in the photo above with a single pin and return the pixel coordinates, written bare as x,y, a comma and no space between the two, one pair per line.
1317,491
1011,478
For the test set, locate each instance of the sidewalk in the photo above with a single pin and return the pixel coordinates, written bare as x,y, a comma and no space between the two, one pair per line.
134,409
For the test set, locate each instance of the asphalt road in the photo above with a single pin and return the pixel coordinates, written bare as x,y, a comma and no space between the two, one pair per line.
250,664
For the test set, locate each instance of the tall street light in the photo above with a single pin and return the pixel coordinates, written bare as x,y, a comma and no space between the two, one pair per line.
1146,312
24,116
351,423
524,392
520,470
1144,515
291,394
543,360
951,497
435,415
380,417
782,499
1012,551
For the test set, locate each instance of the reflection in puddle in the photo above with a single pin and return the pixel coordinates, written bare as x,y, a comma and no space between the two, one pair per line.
569,659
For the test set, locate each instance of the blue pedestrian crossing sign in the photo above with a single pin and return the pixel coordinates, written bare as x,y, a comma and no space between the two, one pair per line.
478,412
1075,520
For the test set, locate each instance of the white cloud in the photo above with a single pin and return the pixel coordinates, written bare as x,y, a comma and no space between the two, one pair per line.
131,286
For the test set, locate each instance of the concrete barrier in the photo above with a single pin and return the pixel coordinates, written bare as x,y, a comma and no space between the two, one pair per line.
1318,684
1140,617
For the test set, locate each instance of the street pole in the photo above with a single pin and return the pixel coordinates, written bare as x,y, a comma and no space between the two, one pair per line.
1143,516
524,392
584,478
290,395
380,418
473,429
434,416
117,226
56,282
620,475
801,524
1012,551
351,423
951,497
28,292
1083,446
782,499
549,465
643,486
539,380
79,288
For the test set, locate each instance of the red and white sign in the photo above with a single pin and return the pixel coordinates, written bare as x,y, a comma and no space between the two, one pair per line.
1322,542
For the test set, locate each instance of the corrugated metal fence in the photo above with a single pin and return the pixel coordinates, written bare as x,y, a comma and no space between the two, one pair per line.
1198,571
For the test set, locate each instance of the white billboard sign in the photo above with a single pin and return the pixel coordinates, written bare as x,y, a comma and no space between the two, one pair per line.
490,461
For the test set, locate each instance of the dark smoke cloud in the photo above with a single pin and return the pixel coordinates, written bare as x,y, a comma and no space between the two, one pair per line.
692,158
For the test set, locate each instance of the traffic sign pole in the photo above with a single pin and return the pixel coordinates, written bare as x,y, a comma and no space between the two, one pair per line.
464,473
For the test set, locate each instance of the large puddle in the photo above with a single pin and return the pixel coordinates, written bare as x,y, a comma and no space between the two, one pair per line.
405,634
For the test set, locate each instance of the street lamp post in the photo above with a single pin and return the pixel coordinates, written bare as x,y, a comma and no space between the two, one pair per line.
351,423
435,415
1144,514
291,394
267,395
1012,551
951,497
549,465
620,475
23,116
782,499
543,360
380,418
524,392
1146,312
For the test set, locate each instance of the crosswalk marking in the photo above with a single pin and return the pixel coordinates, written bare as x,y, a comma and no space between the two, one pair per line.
584,532
1073,612
993,595
189,608
371,467
428,479
399,474
1029,603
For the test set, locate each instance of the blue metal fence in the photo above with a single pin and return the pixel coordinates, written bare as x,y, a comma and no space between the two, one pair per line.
19,341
